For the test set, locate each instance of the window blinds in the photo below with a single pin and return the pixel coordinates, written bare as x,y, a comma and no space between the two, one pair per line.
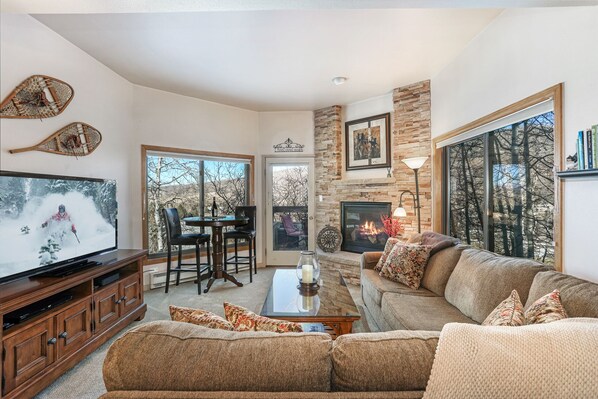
530,112
197,157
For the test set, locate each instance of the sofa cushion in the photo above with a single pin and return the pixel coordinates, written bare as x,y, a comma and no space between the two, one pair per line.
439,268
405,264
579,297
482,279
375,286
554,360
199,317
194,358
508,313
419,312
546,309
389,361
245,320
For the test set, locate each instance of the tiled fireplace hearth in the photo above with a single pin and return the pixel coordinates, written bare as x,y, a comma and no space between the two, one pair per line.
362,227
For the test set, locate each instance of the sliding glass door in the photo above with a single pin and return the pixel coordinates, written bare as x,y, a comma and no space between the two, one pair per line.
501,189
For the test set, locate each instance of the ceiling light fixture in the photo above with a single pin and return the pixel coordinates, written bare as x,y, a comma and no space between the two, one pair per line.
339,80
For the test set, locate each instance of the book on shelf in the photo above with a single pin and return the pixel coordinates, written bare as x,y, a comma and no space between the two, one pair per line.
594,144
580,151
590,150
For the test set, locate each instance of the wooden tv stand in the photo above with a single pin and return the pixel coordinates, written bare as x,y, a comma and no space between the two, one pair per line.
37,351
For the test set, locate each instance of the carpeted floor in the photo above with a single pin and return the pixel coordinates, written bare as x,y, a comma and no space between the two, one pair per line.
85,380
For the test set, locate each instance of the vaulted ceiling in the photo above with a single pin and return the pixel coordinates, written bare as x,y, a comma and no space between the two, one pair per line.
268,56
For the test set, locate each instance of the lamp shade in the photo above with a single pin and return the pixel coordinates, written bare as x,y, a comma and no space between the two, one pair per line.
399,212
415,163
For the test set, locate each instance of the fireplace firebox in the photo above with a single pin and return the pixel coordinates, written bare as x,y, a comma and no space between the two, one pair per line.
362,227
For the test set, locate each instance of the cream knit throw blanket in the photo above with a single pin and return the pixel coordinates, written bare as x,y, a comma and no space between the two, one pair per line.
553,360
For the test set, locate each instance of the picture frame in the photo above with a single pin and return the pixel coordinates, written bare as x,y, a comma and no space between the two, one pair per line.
367,142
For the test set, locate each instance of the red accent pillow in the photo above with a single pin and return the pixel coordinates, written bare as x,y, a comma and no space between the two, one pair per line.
245,320
390,243
405,264
199,317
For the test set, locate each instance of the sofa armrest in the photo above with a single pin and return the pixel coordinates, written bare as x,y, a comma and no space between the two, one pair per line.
369,259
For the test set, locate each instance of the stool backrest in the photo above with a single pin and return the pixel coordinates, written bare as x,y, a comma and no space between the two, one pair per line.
172,222
248,212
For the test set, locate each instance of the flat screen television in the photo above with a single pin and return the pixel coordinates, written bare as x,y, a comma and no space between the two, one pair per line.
50,222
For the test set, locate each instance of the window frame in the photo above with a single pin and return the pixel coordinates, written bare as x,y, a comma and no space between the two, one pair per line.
440,171
145,149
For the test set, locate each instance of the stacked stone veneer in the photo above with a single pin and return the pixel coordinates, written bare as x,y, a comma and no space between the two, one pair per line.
411,137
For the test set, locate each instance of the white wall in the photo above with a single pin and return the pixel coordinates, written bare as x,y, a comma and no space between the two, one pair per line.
363,109
102,99
171,120
520,53
276,127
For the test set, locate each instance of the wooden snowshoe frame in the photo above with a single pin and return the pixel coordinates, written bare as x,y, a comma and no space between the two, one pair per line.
37,97
77,139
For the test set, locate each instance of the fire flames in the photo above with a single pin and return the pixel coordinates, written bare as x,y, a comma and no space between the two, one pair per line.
370,229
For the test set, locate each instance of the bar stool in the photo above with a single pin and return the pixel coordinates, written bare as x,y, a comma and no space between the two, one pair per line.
244,232
174,236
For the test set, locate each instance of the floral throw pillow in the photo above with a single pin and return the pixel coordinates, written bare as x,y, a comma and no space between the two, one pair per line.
546,309
245,320
508,313
405,264
199,317
390,243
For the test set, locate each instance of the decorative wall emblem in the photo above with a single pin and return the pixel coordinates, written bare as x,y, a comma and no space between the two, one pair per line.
288,146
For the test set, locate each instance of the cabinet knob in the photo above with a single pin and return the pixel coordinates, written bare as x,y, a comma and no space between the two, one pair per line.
63,334
51,341
118,301
124,298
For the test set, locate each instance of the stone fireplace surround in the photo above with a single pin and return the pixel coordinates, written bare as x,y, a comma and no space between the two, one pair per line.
410,137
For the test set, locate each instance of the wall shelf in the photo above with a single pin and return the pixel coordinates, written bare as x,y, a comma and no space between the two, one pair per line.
569,174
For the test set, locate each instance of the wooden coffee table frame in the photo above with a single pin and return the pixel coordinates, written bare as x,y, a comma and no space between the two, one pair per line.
335,325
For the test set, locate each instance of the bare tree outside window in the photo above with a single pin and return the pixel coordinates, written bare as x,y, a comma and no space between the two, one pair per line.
190,186
513,168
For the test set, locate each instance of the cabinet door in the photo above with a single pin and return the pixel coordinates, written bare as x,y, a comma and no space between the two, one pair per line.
28,353
73,327
130,294
106,307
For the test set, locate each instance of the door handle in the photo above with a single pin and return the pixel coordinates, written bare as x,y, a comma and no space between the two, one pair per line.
51,341
63,334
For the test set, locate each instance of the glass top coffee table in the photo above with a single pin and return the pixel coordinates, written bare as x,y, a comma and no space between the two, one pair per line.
332,305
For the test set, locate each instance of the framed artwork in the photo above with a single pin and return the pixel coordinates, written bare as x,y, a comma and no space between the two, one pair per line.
367,142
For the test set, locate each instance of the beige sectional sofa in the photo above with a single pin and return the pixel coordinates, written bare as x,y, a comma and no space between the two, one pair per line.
166,359
463,285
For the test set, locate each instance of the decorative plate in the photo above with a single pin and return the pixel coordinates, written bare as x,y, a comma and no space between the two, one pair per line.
329,239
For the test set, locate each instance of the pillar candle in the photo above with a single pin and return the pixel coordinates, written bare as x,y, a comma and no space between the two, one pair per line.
307,274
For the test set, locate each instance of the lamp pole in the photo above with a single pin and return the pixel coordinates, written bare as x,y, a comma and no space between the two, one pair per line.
415,204
419,226
414,164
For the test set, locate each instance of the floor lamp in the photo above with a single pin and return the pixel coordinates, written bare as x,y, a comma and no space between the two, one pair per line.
413,164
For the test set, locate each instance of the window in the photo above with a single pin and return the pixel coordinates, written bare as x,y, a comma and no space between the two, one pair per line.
190,181
498,185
